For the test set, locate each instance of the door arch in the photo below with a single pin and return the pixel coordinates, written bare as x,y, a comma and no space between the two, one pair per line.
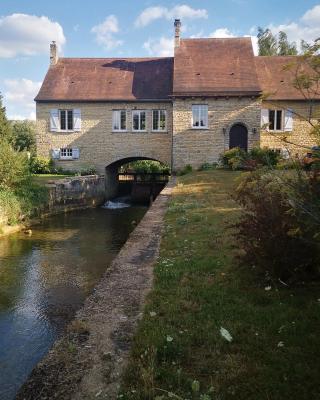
238,137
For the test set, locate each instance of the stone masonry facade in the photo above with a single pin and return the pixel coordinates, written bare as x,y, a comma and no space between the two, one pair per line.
98,145
199,146
299,139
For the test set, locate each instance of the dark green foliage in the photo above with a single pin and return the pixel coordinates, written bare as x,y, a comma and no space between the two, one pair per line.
275,45
185,170
14,166
5,127
23,136
280,227
146,166
238,159
88,171
208,167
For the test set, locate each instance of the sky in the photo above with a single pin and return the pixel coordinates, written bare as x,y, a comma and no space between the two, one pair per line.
118,28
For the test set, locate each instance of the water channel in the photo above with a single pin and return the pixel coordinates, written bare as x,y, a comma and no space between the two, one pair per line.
44,279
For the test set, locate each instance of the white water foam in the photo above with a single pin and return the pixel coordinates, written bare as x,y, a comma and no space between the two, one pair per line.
116,203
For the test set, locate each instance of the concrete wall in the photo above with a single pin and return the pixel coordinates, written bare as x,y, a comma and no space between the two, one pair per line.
75,192
300,136
195,146
98,145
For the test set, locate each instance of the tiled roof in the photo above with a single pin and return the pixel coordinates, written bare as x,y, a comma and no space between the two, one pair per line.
215,67
103,79
276,79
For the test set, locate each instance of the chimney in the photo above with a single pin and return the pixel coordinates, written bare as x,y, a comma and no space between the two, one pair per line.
53,53
177,26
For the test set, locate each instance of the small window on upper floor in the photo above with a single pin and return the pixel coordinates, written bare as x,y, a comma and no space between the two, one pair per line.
66,120
119,120
139,120
159,120
199,116
275,120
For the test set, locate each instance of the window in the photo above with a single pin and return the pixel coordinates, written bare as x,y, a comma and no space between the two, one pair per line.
119,120
66,153
275,120
66,120
200,116
138,120
159,120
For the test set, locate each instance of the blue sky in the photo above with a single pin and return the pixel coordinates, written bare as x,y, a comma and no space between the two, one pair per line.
98,28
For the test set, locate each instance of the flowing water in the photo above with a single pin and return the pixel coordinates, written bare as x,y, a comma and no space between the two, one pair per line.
44,279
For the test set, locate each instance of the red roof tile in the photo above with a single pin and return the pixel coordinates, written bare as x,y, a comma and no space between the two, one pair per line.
215,67
276,80
103,79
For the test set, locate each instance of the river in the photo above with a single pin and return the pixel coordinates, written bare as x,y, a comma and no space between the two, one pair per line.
44,279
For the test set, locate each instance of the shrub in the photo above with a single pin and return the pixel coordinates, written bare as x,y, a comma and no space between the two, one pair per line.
234,158
279,229
41,165
264,156
88,171
186,170
146,167
14,166
10,208
207,166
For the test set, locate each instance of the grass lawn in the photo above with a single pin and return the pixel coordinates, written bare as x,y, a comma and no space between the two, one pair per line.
179,352
43,179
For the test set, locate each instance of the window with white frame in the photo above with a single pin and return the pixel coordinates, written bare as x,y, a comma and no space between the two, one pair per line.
275,120
199,116
139,120
66,120
66,153
159,120
119,120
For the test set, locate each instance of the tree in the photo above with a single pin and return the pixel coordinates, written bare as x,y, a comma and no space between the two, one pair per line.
267,42
5,127
23,136
275,45
285,48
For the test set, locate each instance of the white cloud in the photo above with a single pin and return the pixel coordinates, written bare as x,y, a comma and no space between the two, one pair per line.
23,34
306,28
106,31
18,98
183,11
162,47
222,33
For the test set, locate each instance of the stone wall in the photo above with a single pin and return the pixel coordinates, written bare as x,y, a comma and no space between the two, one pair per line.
75,192
300,136
195,146
98,145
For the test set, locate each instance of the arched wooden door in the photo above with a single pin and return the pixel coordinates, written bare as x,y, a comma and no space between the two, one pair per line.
238,137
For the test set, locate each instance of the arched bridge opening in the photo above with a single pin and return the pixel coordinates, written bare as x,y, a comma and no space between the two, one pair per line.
140,178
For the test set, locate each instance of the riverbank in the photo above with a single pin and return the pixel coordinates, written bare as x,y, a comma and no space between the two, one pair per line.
88,361
210,329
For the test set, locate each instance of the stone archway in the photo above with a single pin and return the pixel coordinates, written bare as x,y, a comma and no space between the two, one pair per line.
238,136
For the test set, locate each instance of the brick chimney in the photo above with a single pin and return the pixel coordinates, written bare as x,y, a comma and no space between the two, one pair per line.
53,53
177,27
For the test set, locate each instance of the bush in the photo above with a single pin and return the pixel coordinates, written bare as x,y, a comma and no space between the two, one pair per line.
41,165
234,158
14,166
279,229
146,167
10,208
186,170
88,171
238,159
207,166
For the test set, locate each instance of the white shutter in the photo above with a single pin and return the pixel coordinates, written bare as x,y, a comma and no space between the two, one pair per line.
54,120
55,154
77,120
75,153
288,120
265,118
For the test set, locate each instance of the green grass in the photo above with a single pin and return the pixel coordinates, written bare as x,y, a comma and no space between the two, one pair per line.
178,351
43,179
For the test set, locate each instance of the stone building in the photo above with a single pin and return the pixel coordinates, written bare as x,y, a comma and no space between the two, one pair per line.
186,109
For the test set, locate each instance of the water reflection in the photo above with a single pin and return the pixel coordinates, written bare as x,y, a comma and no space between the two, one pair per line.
44,279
